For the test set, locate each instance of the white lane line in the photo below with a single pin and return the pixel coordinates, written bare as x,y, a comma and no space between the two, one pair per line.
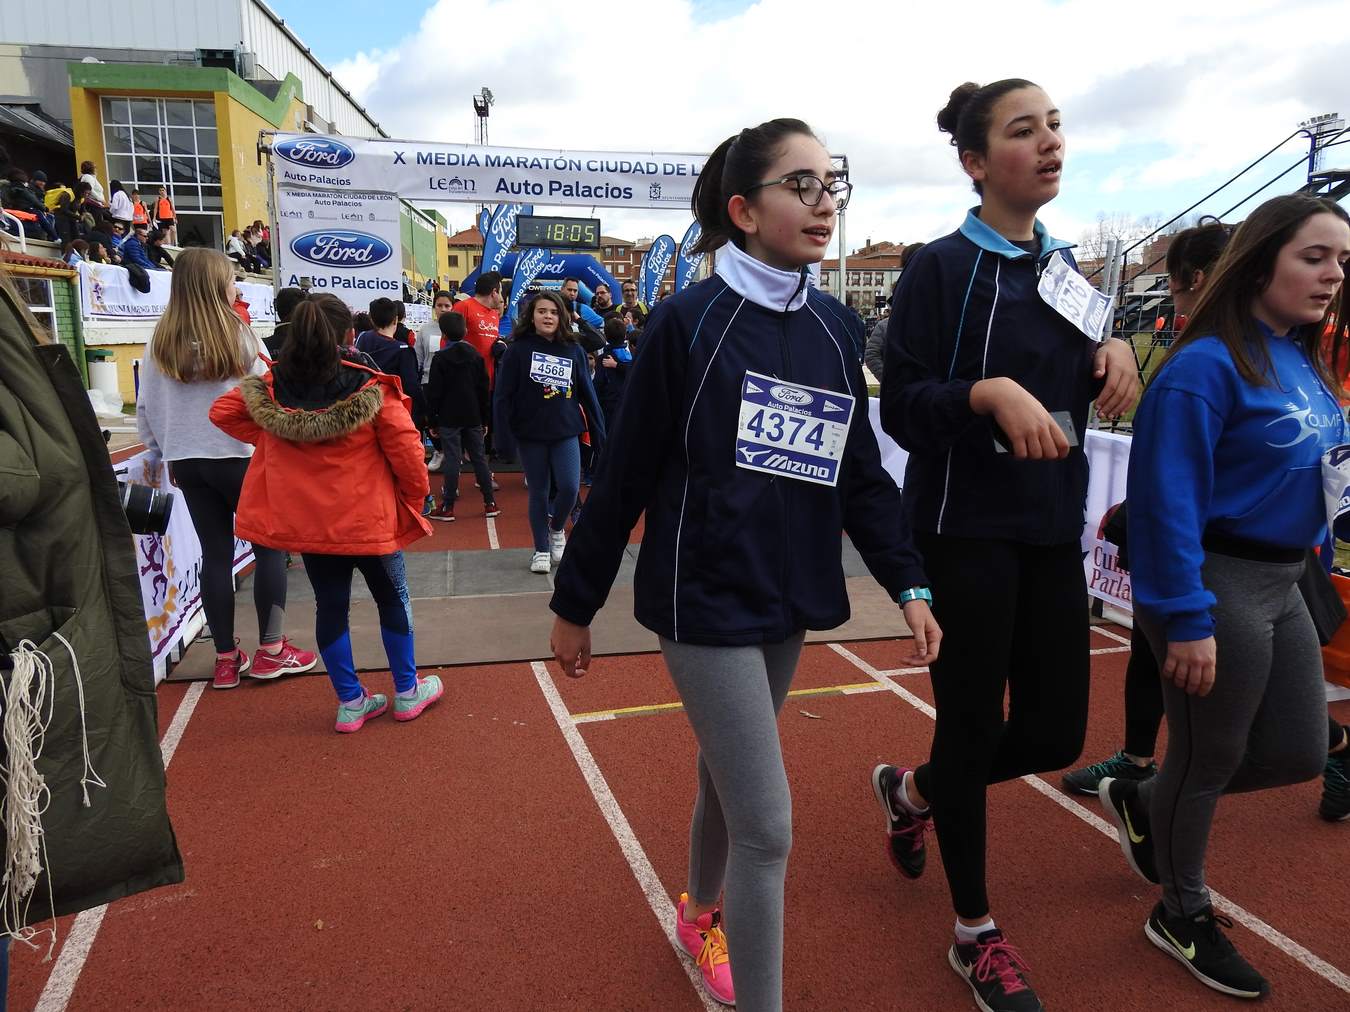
637,859
1310,960
1109,650
66,973
493,543
593,718
1111,635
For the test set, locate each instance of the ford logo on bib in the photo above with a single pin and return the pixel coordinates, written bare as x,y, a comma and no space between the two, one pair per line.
316,152
341,249
791,395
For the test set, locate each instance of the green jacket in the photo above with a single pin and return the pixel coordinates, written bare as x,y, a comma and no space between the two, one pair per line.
68,567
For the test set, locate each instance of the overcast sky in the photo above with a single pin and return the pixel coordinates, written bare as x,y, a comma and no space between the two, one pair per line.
1161,100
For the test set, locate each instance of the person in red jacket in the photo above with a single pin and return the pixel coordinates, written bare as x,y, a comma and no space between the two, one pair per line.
322,423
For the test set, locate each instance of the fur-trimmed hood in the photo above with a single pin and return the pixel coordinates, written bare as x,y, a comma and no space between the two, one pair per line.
311,425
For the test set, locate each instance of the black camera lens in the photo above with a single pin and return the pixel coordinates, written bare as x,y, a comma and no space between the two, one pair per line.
147,509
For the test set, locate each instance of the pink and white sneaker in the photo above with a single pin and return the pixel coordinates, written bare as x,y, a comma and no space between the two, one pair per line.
705,941
290,660
228,669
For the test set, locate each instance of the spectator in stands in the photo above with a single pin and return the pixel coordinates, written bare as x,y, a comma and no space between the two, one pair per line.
255,250
120,206
98,253
21,198
154,246
84,202
165,216
134,252
95,187
75,251
64,219
139,215
285,302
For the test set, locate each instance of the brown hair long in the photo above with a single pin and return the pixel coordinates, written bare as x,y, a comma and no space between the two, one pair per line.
525,321
199,337
1244,270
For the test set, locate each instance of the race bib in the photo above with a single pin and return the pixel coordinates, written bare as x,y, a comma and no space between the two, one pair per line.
1336,487
792,430
551,370
1072,297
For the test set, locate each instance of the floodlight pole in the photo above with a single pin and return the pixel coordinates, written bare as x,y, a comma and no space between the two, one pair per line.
482,106
1317,130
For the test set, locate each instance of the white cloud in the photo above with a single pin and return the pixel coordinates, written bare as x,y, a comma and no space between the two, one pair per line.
1177,92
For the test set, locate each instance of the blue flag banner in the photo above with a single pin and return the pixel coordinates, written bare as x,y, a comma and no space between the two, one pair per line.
641,278
688,263
654,266
484,217
528,265
501,235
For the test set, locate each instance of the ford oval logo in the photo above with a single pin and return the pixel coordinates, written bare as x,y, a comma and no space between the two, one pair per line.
341,249
319,152
790,395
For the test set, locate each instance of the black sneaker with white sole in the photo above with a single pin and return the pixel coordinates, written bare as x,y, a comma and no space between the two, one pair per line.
904,830
996,973
1119,767
1198,944
1120,801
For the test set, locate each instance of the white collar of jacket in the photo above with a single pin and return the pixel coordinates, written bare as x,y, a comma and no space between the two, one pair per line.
987,239
781,291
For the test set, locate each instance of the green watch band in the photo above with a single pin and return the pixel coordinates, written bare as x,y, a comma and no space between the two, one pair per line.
916,594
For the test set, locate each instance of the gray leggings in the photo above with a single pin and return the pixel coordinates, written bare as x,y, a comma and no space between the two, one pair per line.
1262,725
741,831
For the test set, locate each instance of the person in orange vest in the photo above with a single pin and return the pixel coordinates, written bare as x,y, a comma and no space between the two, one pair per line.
139,215
165,216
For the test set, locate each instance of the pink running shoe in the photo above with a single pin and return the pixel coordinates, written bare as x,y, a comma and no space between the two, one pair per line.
291,660
705,941
228,670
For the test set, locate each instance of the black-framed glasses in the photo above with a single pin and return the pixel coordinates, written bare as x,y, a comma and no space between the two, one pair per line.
811,188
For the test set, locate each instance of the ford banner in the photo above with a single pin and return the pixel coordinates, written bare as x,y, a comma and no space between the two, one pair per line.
342,241
654,266
479,174
528,265
688,263
501,235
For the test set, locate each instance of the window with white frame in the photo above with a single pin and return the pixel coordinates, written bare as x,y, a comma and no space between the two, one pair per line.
169,142
37,296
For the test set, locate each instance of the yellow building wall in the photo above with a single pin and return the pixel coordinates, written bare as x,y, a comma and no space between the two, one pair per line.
243,181
86,122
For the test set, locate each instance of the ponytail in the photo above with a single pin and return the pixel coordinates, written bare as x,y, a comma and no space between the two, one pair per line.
311,353
737,164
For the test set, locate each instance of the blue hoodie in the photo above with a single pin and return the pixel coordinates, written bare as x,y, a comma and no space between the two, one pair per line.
733,556
968,309
1212,451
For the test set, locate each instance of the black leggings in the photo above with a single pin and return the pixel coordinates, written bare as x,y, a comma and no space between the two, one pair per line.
1013,617
1144,701
211,489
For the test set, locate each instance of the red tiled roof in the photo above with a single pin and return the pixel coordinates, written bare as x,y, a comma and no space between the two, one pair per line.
467,237
24,260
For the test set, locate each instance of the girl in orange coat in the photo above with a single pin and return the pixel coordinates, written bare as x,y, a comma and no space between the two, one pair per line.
324,424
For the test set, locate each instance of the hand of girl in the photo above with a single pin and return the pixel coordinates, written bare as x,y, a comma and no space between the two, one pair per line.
571,646
1032,433
927,633
1115,360
1190,666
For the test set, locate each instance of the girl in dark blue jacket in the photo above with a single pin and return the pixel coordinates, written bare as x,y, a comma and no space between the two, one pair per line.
543,387
987,386
744,435
1226,497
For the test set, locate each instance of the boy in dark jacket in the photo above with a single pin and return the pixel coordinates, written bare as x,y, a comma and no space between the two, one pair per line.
457,399
612,369
391,355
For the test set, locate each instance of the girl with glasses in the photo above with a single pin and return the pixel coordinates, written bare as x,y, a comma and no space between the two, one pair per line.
744,436
987,385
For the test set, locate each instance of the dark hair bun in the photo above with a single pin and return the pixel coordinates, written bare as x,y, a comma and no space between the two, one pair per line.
950,114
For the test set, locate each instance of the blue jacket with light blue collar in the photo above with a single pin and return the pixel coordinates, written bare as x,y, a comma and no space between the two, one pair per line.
968,309
731,555
1213,452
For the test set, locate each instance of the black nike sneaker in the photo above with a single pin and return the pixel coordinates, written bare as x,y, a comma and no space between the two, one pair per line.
1120,800
996,973
1198,945
904,830
1118,767
1335,805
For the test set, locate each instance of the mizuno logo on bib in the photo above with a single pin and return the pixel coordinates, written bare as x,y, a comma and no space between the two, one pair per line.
551,370
792,430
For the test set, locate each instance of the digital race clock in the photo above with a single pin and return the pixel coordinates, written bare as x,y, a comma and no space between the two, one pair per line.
557,233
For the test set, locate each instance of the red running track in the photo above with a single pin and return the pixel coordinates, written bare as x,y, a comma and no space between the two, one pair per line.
462,861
